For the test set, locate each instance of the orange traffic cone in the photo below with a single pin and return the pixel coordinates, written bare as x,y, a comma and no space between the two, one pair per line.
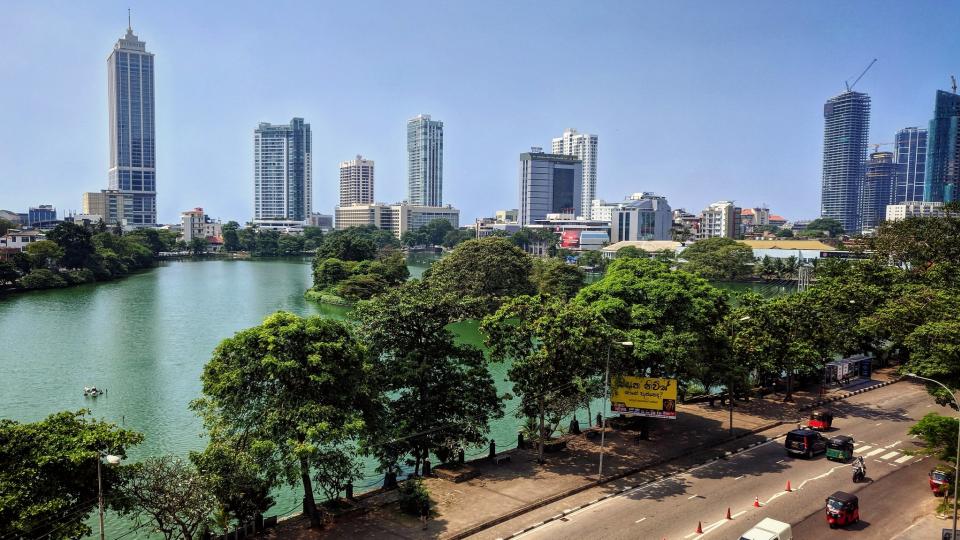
788,486
756,502
699,528
728,513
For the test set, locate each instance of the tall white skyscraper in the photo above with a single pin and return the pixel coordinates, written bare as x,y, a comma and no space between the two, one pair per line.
282,172
583,146
356,181
133,169
425,161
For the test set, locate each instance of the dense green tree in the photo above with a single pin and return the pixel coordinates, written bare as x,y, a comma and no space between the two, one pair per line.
266,243
169,495
76,243
940,435
830,226
352,244
312,238
669,315
718,258
290,244
456,237
157,240
296,389
198,246
361,287
935,354
45,254
41,278
442,397
557,278
247,238
435,231
486,271
22,262
6,225
230,226
231,240
784,233
413,238
555,346
235,478
48,473
8,272
328,272
920,244
592,259
631,252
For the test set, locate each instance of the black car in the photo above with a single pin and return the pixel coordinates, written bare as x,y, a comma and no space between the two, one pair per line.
805,442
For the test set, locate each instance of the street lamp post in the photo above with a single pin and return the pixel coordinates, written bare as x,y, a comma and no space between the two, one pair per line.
956,466
111,460
606,392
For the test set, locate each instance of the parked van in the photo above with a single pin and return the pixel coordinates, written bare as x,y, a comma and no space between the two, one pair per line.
805,442
769,529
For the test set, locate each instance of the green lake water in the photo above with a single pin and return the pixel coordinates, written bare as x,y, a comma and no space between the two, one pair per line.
146,338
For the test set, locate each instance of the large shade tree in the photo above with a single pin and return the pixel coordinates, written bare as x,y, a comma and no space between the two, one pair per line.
556,347
442,397
48,473
297,389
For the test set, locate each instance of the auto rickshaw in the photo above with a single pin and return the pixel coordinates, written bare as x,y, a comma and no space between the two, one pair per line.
939,481
820,420
840,448
842,509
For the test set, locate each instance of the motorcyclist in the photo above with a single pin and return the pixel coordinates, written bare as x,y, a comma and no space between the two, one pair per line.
859,467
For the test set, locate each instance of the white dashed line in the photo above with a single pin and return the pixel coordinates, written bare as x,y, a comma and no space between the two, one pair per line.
904,459
864,448
890,455
738,514
692,497
875,452
739,477
639,520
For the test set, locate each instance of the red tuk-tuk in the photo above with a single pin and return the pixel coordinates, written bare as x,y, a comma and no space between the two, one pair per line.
939,482
842,509
820,420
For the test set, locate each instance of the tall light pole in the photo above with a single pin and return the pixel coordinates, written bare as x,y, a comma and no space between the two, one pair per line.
606,392
956,463
111,460
729,385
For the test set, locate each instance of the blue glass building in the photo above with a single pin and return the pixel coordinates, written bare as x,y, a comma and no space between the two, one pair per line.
877,189
910,155
943,150
132,134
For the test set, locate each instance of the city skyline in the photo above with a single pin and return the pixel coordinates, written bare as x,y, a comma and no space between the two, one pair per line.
656,134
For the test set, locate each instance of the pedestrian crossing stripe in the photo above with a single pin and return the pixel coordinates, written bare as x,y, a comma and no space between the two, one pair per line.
890,455
903,459
864,448
875,452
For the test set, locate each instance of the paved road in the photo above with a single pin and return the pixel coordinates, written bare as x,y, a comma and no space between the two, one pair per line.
887,506
671,508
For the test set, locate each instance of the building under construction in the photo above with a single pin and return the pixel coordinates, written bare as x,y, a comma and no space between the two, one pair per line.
845,133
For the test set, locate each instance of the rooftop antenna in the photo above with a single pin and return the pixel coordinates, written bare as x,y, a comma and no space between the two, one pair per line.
953,83
129,26
850,86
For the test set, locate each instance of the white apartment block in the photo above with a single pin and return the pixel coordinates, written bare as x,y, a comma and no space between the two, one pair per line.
898,212
424,161
282,172
356,181
196,224
583,146
719,220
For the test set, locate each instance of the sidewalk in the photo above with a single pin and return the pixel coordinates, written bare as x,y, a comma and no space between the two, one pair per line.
521,485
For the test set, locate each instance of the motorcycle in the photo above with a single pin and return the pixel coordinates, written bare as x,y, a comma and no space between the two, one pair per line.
859,473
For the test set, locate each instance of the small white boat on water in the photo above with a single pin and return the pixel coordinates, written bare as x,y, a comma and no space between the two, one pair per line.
92,391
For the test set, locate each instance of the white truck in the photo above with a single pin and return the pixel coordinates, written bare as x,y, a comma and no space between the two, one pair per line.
769,529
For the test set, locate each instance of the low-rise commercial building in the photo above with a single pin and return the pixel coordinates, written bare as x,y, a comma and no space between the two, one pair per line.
649,246
323,221
647,217
196,224
898,212
397,218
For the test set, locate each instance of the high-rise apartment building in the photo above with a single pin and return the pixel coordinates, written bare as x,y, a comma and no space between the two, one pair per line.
133,168
943,150
583,146
424,161
877,189
282,172
910,155
549,184
356,181
845,133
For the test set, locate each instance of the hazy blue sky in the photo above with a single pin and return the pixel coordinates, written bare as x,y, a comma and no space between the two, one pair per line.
698,101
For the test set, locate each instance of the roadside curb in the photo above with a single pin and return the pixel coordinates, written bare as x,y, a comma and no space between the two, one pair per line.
849,394
579,489
559,496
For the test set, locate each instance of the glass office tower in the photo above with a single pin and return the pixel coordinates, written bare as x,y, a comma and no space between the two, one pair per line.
425,161
549,184
282,172
133,169
910,155
877,189
943,150
845,132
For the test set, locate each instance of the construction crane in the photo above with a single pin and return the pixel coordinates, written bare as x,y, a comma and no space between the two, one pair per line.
850,86
876,146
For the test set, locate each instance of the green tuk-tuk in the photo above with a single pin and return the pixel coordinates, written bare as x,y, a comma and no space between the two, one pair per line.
840,448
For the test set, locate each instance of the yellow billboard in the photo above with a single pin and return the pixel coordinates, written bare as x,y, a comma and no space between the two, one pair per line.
645,396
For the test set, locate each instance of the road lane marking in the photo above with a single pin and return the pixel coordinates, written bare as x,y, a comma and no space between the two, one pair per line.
904,459
864,448
890,455
738,514
693,497
739,477
639,520
875,452
781,461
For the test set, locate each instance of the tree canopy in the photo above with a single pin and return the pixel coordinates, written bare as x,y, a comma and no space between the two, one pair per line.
718,258
557,278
